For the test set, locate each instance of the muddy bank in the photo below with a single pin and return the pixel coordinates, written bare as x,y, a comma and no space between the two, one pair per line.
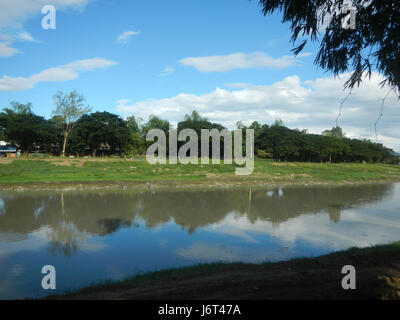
378,277
181,184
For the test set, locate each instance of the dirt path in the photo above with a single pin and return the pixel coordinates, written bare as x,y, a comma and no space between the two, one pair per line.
378,277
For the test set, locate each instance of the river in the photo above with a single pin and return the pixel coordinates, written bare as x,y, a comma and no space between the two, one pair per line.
110,234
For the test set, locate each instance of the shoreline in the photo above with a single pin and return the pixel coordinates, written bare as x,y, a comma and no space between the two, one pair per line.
377,268
177,185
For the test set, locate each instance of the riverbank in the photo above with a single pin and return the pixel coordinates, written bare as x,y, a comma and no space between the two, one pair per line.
378,277
71,173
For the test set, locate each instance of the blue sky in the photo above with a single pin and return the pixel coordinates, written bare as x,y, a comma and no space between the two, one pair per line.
222,58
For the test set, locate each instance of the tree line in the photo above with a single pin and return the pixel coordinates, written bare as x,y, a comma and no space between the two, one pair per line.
74,130
279,142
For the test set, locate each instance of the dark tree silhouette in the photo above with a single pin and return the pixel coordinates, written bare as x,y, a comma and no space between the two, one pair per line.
374,43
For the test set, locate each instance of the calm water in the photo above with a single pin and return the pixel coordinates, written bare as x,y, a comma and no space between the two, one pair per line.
94,235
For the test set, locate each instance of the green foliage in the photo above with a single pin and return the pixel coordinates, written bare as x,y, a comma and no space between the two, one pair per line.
294,145
263,154
105,133
26,130
335,132
69,108
21,108
373,44
100,132
136,146
132,124
196,122
155,123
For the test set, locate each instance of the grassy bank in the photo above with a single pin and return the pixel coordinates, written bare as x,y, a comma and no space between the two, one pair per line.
378,277
66,170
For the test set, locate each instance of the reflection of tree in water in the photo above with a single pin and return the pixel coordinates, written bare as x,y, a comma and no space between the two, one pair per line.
70,218
192,210
65,248
334,213
113,225
67,219
64,239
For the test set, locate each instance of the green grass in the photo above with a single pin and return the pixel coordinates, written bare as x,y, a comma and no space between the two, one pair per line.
59,170
372,249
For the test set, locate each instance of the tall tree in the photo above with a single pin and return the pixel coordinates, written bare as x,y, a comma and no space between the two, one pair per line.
373,43
69,107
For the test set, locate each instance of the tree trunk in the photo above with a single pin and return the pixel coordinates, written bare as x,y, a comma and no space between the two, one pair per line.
64,144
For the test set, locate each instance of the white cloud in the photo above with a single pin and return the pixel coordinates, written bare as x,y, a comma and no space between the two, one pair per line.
167,71
371,229
26,36
240,61
6,50
312,105
324,234
58,74
14,13
90,64
123,101
237,85
126,36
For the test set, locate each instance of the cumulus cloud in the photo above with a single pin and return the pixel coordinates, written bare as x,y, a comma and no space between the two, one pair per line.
312,105
58,74
229,62
237,85
126,36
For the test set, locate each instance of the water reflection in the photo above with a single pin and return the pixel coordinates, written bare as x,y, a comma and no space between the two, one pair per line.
66,220
95,235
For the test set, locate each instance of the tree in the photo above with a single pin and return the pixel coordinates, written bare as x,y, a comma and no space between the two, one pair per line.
100,131
155,123
335,132
278,123
137,143
70,107
21,108
374,43
195,116
52,135
294,145
23,128
132,124
196,122
240,125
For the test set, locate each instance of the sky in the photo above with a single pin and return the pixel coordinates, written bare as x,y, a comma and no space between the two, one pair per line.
167,58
